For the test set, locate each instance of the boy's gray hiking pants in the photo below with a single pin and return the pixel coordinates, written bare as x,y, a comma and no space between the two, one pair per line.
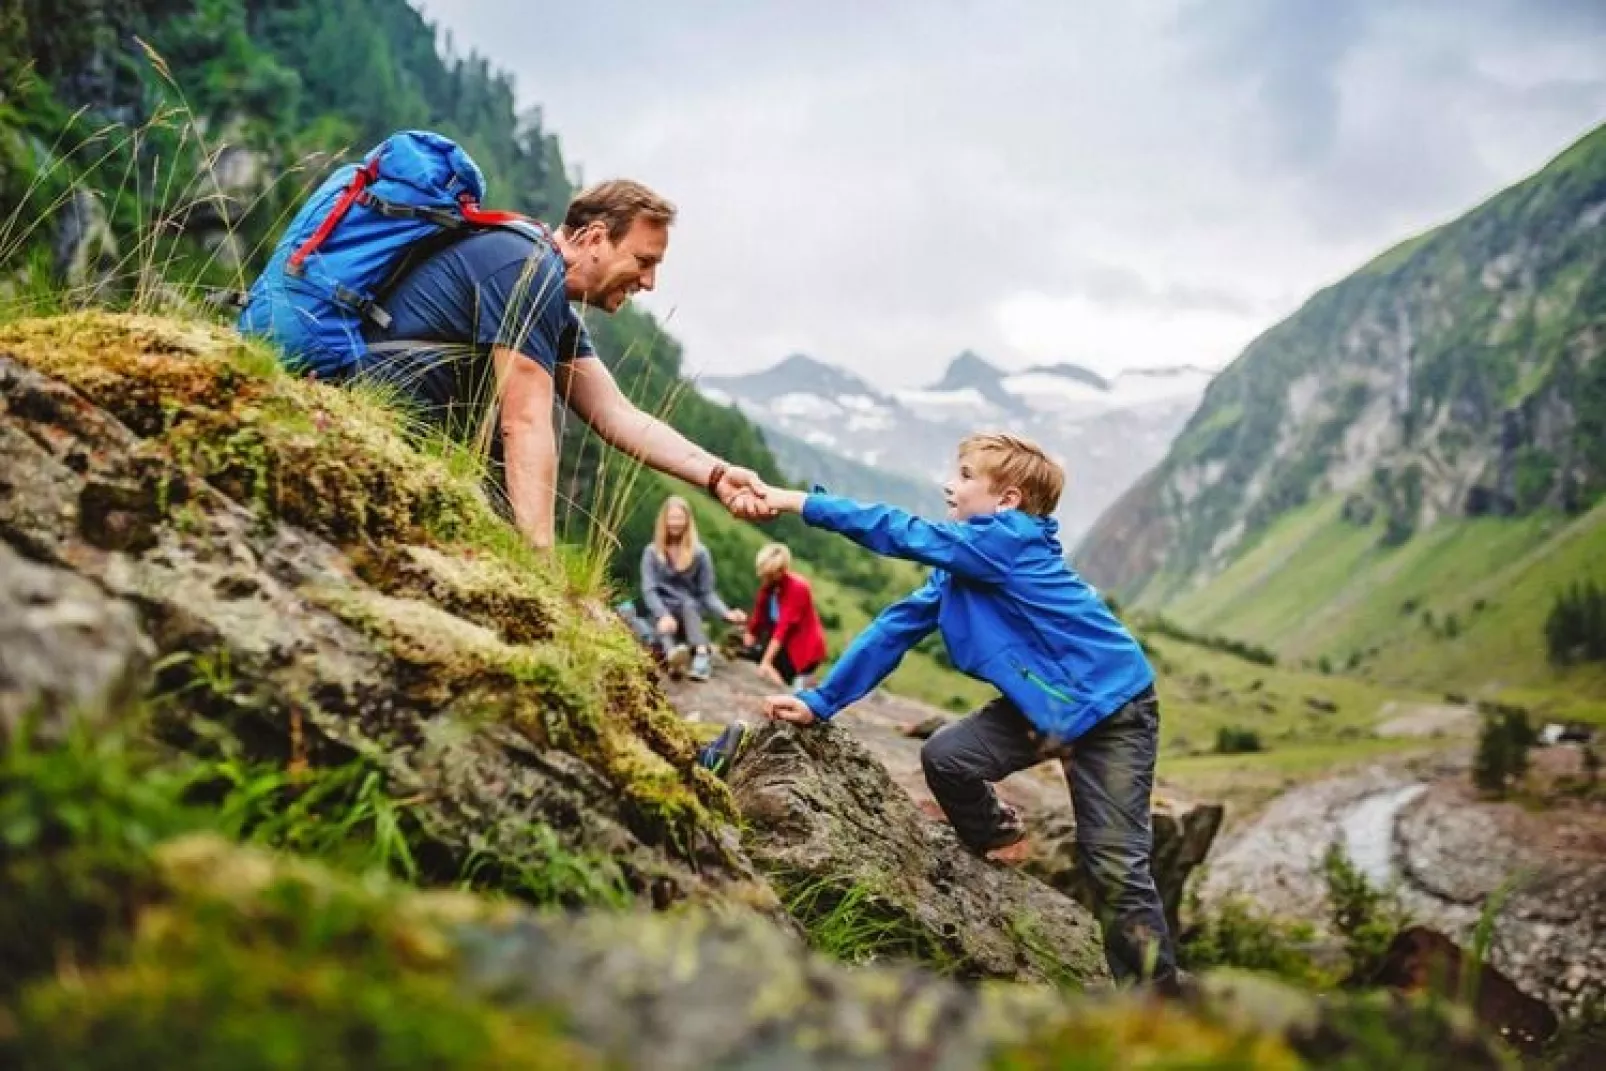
1111,772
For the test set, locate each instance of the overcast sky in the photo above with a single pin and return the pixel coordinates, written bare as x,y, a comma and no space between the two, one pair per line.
1122,184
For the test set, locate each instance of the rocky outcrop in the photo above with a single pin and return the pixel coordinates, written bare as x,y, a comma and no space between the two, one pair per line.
1422,960
842,841
1183,833
302,579
1458,857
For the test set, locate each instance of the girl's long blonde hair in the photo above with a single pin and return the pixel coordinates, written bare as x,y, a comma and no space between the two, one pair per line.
686,548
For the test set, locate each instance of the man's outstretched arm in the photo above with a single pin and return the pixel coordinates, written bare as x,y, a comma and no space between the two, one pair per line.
528,445
589,389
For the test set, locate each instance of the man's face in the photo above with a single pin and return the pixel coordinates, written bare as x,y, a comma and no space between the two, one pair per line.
969,493
611,272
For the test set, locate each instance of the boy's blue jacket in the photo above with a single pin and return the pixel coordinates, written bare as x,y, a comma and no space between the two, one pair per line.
1011,612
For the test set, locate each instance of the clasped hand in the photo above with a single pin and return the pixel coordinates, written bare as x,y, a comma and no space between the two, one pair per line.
747,496
742,491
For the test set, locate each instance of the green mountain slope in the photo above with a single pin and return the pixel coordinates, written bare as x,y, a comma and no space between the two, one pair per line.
1458,374
1461,607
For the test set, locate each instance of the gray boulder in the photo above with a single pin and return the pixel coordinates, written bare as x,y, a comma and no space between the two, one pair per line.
849,851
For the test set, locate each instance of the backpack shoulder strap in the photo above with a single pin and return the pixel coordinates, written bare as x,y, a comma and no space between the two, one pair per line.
477,221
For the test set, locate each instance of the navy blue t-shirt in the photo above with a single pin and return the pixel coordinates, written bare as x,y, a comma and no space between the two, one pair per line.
496,288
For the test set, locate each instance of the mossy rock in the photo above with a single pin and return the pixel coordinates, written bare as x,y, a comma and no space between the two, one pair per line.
320,585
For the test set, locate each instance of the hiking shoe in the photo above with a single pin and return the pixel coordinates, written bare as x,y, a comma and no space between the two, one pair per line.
1011,830
701,666
677,660
720,753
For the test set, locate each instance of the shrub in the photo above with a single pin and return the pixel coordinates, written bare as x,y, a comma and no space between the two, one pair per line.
1503,742
1366,917
1236,935
1249,652
1231,740
1575,629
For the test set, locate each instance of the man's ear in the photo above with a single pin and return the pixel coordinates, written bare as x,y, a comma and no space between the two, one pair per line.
1011,498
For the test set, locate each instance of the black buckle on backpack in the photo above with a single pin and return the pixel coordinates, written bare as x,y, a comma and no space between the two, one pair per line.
364,306
441,217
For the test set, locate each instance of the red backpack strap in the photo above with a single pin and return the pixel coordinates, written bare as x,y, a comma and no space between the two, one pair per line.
476,216
360,181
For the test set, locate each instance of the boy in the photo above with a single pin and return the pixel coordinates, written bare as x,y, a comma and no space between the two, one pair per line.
1074,684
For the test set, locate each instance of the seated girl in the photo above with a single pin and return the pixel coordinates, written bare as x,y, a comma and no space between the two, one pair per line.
784,632
677,588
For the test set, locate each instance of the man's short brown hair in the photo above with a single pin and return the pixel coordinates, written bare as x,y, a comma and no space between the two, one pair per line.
1010,461
617,203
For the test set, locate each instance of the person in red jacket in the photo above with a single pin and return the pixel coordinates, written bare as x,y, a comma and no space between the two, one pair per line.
783,631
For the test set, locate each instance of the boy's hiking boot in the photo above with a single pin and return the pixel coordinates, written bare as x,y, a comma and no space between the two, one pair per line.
1011,830
678,659
701,667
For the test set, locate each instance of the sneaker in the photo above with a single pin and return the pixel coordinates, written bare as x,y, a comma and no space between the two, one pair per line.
719,754
677,660
701,666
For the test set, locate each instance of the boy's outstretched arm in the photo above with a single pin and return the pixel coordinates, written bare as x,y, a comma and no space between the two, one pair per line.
872,655
979,549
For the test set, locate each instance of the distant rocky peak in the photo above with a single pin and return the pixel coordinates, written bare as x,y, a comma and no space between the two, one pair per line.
796,374
969,371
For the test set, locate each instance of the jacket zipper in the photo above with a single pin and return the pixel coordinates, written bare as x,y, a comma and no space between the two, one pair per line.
1047,687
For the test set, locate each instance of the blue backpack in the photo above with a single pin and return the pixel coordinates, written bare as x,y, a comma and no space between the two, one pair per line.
355,238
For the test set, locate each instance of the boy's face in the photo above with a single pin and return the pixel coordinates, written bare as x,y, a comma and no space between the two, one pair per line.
969,493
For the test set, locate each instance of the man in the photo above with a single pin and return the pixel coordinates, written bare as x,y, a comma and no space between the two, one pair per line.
485,327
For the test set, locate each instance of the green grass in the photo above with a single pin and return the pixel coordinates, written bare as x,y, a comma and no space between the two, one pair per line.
853,923
1315,587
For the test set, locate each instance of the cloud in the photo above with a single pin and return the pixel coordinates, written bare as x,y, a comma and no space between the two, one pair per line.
884,185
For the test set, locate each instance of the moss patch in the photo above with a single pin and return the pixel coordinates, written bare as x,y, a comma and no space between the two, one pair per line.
250,962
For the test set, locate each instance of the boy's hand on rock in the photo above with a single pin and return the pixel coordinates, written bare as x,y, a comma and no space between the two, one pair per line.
788,708
667,624
736,617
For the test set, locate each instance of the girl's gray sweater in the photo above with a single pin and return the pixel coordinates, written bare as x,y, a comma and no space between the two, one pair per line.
662,584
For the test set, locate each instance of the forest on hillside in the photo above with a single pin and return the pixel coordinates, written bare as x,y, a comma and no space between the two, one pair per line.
146,138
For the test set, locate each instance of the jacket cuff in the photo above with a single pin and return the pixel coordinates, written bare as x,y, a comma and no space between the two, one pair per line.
814,505
816,703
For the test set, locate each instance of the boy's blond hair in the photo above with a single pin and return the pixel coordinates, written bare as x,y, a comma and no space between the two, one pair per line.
774,558
1010,461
